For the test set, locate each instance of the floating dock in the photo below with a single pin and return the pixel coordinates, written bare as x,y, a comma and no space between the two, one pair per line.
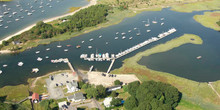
107,57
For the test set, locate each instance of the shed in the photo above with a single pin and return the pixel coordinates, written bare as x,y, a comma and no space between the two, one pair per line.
113,88
35,98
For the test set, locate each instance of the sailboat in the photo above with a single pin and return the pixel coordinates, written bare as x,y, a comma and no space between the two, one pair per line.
154,21
59,46
139,33
148,23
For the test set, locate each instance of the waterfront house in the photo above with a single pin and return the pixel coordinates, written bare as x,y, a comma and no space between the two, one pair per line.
113,88
63,105
16,42
107,102
35,98
77,97
72,86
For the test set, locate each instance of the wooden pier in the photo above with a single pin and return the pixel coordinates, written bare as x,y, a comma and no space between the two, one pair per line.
111,65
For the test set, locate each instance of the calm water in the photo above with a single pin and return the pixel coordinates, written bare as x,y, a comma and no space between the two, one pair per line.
60,7
184,55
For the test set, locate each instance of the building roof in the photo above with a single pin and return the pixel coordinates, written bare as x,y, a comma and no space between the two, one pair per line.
117,86
60,104
35,96
107,101
72,84
77,96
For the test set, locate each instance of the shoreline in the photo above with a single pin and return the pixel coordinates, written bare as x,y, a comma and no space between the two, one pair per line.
91,3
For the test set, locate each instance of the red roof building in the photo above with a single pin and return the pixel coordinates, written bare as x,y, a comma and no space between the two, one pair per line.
35,98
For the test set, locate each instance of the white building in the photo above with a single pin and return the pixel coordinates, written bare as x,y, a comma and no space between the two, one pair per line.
62,105
113,88
72,87
107,101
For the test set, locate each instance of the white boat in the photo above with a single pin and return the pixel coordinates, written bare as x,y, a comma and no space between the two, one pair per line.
106,43
5,65
89,47
33,11
37,52
148,23
39,59
0,71
4,5
40,6
35,70
17,19
199,57
50,6
117,33
59,46
162,24
161,18
90,40
135,28
29,13
123,33
10,16
47,57
14,13
139,33
20,63
154,21
65,50
48,49
9,21
130,38
43,11
129,30
21,10
116,37
82,41
100,36
148,30
123,37
6,27
1,25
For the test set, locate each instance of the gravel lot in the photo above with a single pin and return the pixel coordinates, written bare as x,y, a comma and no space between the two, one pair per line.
54,86
97,78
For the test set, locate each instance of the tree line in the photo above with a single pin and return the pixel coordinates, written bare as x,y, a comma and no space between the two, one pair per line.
84,18
152,95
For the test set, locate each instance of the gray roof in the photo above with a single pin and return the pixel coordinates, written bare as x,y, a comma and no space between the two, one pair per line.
77,96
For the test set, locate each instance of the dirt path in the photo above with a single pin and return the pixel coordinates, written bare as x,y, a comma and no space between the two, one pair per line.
210,84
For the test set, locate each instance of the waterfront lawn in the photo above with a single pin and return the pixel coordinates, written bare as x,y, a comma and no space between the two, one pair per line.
197,6
209,19
186,105
192,91
14,93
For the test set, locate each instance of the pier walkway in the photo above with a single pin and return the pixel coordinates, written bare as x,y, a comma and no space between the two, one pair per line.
90,69
111,65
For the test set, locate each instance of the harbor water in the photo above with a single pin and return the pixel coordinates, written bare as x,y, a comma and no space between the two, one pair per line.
180,61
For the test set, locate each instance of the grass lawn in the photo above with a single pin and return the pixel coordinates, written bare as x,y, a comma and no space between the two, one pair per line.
209,19
192,91
197,6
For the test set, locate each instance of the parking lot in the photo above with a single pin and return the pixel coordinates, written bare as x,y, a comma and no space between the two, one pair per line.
55,82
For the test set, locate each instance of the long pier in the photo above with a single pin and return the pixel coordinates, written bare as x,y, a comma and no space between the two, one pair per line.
106,57
111,65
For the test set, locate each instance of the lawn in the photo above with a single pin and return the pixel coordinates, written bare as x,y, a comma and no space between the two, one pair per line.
209,19
200,93
197,6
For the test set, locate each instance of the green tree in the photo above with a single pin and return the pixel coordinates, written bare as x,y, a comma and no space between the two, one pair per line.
81,83
5,43
130,103
101,91
132,87
91,93
117,82
114,94
144,106
116,102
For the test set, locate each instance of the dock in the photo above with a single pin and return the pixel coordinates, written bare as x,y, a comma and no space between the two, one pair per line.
111,65
90,69
108,57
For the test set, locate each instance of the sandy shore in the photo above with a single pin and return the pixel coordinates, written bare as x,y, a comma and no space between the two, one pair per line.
92,2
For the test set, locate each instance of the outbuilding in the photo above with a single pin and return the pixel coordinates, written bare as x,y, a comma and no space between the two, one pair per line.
35,98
